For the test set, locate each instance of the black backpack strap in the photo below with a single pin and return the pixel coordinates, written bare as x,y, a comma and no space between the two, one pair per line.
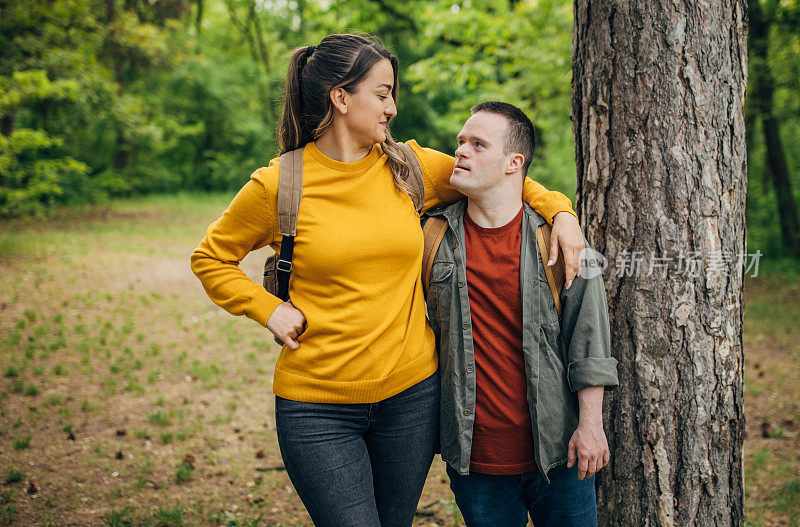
290,191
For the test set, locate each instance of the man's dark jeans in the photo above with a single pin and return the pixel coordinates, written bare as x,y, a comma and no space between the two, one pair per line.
361,464
506,500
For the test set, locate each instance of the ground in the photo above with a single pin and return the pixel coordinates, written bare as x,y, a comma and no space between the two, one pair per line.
128,398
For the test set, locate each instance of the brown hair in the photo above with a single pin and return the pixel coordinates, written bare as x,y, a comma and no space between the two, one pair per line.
519,137
338,61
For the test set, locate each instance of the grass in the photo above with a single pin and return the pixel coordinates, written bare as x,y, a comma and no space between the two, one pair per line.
21,443
14,476
184,471
8,511
103,329
772,365
159,418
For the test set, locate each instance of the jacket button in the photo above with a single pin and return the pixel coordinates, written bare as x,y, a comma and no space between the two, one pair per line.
465,325
470,369
467,412
460,284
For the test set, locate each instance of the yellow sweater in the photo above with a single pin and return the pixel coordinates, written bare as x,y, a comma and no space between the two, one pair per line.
355,276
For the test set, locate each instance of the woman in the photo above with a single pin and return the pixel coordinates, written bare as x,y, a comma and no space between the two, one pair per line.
357,393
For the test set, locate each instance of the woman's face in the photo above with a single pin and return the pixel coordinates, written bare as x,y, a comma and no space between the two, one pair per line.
371,105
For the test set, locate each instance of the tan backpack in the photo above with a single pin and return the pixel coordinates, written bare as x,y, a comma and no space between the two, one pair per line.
436,227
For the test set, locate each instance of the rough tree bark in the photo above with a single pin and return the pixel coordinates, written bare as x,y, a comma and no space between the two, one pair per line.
658,93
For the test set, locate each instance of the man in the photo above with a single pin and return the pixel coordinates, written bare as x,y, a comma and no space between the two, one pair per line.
522,391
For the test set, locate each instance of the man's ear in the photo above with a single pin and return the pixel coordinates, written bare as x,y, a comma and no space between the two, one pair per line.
515,163
339,100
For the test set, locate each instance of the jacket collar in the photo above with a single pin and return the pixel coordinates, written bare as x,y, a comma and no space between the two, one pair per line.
452,213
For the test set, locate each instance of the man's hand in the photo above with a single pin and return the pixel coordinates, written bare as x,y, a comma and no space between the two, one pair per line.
287,323
567,234
588,445
589,448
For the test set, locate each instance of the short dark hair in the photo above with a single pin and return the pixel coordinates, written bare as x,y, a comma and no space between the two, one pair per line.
519,137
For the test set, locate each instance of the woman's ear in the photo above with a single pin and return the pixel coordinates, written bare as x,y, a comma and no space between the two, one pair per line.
339,100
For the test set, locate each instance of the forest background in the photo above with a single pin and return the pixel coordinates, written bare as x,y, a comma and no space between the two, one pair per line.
126,126
104,98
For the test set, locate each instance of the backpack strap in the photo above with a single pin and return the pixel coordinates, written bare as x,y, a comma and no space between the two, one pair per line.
433,232
290,190
414,179
556,275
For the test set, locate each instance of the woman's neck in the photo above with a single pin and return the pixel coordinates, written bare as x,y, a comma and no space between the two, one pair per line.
337,144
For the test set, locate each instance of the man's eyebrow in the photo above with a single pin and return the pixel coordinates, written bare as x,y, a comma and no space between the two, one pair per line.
387,86
472,138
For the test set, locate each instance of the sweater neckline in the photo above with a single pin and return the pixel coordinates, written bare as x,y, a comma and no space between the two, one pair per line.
493,231
341,166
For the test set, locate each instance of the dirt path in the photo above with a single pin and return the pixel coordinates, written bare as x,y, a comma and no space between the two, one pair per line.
128,398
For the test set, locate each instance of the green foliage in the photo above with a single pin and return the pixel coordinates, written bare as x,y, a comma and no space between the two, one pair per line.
496,50
147,98
147,101
782,68
34,170
123,101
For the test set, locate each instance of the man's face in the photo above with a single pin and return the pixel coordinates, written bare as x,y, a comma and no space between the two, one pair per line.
480,161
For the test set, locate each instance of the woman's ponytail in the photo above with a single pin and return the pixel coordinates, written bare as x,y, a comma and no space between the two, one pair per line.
290,128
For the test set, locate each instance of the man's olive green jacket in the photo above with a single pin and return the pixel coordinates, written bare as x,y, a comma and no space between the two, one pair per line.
561,357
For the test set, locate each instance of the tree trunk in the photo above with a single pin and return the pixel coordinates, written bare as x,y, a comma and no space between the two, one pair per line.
198,20
121,156
762,99
658,92
781,184
7,123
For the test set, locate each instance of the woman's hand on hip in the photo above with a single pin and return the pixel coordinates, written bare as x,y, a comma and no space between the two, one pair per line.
287,323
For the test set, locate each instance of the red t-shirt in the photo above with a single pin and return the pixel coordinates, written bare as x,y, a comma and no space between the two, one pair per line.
502,441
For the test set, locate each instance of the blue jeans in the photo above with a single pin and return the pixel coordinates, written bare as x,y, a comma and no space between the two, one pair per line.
361,464
506,500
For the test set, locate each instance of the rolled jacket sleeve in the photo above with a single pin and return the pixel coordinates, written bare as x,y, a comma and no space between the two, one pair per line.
586,333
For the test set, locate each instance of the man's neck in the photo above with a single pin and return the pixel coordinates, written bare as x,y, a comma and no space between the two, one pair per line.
494,210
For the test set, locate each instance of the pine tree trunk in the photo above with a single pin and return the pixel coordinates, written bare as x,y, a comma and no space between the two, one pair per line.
658,92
